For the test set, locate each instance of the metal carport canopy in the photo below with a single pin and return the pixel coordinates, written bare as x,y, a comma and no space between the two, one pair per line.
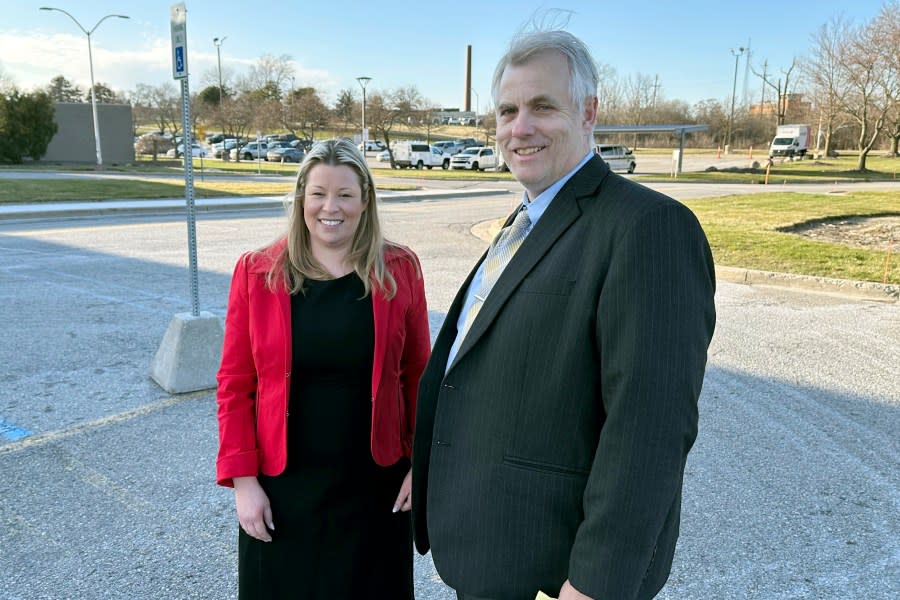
679,130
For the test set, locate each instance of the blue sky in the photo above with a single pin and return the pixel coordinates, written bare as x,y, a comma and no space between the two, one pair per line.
686,42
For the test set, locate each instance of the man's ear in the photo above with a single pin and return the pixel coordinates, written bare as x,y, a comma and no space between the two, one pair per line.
590,112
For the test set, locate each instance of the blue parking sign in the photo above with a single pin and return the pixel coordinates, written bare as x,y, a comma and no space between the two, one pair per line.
178,23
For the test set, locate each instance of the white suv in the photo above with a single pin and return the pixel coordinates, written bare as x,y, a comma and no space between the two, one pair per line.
250,151
619,158
477,158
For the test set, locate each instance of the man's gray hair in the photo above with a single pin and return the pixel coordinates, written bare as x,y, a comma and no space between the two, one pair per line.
583,76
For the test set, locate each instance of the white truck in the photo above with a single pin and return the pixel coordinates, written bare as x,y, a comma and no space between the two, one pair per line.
418,155
791,141
477,158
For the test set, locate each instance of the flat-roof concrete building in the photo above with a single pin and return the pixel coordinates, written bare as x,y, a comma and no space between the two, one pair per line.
74,140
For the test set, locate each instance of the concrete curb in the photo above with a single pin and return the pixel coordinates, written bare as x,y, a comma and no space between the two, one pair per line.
863,290
173,205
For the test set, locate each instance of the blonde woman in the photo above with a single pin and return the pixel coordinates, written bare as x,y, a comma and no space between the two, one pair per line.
326,337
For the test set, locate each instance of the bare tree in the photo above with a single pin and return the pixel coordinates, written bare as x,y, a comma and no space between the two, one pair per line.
384,110
782,95
609,95
887,28
826,76
868,96
407,100
271,69
160,104
713,113
238,113
305,112
639,92
427,116
489,125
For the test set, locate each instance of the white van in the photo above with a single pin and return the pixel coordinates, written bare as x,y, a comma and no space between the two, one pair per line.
618,157
418,155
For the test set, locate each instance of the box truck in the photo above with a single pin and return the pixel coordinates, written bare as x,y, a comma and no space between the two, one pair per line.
790,141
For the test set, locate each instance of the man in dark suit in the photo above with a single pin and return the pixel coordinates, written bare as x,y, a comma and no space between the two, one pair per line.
560,402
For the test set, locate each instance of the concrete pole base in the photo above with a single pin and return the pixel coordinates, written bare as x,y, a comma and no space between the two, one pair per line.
188,357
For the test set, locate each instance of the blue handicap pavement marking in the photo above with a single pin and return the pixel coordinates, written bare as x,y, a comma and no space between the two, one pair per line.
11,431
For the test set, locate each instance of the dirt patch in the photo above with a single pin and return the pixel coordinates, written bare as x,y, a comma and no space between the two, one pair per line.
873,233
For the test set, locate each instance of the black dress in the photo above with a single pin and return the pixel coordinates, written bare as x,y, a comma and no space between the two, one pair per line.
335,535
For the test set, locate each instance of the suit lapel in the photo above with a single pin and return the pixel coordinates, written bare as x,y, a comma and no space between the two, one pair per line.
559,216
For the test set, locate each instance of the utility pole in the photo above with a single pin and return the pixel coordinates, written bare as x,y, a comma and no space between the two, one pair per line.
737,55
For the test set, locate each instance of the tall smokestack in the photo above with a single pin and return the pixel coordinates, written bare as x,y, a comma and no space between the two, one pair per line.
468,77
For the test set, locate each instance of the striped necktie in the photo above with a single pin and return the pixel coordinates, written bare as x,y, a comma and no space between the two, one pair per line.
500,253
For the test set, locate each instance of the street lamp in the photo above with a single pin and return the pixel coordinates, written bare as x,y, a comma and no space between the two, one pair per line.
363,82
737,55
91,62
218,44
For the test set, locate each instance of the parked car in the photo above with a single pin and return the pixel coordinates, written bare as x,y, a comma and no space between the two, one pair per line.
152,143
418,155
449,147
196,151
226,145
285,154
384,156
250,151
372,146
304,145
476,158
468,142
618,157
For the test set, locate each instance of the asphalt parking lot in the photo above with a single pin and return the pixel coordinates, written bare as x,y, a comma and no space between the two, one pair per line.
792,490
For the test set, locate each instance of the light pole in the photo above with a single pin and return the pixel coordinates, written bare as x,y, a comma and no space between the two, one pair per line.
737,56
290,118
91,62
217,42
363,82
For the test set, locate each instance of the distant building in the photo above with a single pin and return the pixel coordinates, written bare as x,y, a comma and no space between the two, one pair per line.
794,105
74,139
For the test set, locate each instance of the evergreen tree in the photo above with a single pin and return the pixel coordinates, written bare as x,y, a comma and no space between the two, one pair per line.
27,125
63,90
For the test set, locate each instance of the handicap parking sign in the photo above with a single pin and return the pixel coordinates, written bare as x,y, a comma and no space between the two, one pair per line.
178,16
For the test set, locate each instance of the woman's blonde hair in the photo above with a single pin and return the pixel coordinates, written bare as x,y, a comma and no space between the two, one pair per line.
295,262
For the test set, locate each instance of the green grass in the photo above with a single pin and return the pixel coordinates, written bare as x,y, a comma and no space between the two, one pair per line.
878,168
48,190
743,232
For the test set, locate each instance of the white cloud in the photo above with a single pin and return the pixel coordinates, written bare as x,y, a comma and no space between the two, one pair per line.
32,59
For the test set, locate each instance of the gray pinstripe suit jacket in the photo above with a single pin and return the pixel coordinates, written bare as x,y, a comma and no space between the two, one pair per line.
555,445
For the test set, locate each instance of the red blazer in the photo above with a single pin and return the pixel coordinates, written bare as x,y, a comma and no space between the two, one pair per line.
255,374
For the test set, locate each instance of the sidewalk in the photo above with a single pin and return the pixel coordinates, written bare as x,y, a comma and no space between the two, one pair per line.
41,210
